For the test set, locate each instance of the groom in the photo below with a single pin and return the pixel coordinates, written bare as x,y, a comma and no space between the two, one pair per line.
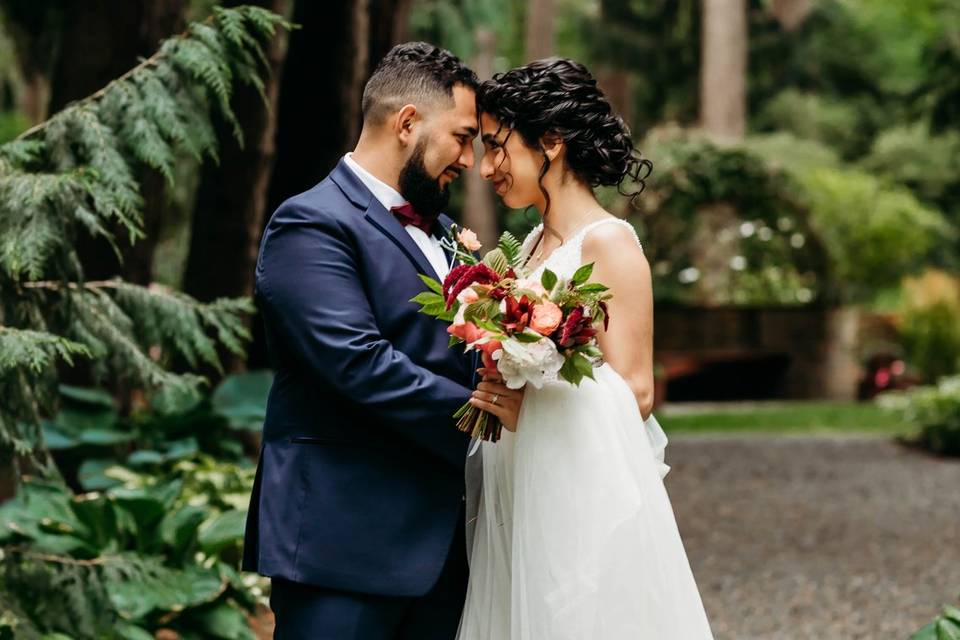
357,511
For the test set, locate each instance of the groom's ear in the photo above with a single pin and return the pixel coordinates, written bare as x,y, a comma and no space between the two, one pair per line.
405,123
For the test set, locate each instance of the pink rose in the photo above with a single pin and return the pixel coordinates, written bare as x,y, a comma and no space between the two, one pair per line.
546,318
468,239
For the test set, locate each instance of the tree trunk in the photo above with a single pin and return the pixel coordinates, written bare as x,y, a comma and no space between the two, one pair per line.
231,200
101,40
479,212
539,30
34,29
723,69
791,13
318,112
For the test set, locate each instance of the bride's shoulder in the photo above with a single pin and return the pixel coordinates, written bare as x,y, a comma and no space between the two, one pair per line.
610,238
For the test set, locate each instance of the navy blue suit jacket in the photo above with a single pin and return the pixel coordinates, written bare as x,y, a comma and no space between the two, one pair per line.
360,479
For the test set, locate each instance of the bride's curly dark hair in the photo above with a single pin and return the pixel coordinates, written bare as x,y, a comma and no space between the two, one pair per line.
558,96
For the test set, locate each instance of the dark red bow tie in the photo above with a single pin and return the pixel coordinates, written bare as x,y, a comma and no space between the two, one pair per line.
406,215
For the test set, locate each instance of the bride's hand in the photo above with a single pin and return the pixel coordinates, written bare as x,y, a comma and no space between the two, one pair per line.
508,401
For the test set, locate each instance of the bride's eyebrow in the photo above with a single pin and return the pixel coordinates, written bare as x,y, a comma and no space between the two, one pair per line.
489,137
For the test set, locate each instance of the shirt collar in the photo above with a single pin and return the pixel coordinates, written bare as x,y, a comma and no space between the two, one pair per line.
384,193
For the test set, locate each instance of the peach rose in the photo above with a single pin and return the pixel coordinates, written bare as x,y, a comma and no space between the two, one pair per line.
546,318
468,239
466,331
468,296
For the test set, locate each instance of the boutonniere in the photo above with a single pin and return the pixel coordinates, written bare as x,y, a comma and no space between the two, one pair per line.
461,243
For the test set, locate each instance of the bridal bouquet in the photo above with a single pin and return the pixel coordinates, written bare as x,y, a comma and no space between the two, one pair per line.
531,331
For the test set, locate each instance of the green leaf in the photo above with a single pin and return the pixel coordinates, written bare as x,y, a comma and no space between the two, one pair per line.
242,399
511,248
427,298
129,631
928,632
948,629
92,474
582,274
583,365
528,336
548,280
223,530
592,287
105,437
164,589
432,284
224,621
569,371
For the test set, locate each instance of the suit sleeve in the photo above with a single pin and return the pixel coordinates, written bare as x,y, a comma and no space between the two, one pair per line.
309,286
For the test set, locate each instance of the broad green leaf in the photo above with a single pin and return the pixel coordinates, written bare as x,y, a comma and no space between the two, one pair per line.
427,298
224,621
548,280
582,274
432,284
242,399
222,531
92,474
87,395
592,287
105,437
164,589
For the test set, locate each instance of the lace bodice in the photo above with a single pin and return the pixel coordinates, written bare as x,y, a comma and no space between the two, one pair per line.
567,258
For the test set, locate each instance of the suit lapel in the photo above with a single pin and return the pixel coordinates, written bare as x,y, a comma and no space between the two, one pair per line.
381,219
384,221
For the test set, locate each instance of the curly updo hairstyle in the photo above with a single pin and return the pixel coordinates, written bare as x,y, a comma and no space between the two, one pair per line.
559,97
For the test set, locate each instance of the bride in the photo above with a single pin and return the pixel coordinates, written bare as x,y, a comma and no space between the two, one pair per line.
574,535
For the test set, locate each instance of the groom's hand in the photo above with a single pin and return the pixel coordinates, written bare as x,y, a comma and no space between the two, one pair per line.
494,397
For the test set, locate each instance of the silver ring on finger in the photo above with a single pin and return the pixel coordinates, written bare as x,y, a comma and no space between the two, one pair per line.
495,398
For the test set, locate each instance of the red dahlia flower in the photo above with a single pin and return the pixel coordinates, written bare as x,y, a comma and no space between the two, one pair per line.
577,329
518,313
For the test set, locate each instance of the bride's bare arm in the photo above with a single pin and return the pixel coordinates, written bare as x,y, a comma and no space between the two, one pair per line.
628,343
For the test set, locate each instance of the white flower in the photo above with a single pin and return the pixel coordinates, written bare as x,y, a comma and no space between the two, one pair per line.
533,362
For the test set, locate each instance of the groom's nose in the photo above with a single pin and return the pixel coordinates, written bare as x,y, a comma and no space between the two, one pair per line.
466,156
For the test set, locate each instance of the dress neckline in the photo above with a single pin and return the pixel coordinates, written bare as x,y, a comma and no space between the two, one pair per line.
539,229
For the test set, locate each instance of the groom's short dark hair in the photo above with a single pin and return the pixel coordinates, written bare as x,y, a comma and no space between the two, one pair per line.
412,73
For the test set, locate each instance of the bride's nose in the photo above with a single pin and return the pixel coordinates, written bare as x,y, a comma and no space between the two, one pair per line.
486,167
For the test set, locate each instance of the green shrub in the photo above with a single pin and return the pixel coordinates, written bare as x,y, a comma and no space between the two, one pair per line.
929,324
933,410
88,435
813,117
945,627
151,553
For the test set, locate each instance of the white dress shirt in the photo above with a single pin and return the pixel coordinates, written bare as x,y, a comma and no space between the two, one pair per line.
390,197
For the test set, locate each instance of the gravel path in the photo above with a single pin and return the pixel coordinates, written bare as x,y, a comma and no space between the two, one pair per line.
797,538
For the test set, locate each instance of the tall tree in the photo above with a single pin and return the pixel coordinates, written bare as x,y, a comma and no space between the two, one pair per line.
99,40
791,13
723,69
479,212
540,31
318,106
231,200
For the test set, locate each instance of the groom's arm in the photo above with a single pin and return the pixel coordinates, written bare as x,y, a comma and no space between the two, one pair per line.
309,285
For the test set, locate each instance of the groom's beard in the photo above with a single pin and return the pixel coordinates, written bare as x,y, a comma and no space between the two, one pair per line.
421,189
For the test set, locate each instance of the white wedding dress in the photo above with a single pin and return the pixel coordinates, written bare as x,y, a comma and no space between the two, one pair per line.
575,537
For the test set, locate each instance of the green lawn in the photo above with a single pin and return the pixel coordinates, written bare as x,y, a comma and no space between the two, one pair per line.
781,417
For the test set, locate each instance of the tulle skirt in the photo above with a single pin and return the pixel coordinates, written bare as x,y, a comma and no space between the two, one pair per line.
575,537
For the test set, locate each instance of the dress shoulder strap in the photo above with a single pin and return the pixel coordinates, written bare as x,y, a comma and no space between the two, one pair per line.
593,225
